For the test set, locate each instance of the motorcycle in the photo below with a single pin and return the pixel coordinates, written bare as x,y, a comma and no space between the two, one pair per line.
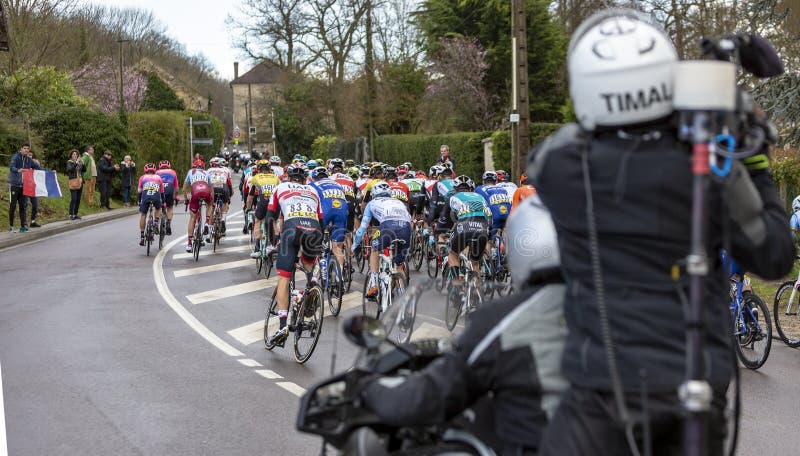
333,409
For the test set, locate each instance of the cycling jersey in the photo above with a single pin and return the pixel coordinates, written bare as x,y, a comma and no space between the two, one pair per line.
294,201
201,188
334,207
351,193
417,195
151,188
466,205
522,192
196,175
439,197
361,183
400,191
394,222
499,203
277,171
414,185
263,185
509,187
794,223
219,178
170,179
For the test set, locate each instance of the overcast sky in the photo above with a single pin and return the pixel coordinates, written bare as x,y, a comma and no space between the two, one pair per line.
197,24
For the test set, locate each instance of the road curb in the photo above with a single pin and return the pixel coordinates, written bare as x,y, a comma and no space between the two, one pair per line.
10,240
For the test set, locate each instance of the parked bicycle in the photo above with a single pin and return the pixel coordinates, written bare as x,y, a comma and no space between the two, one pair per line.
306,314
786,310
392,282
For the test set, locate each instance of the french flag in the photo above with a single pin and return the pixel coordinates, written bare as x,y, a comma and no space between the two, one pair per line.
37,182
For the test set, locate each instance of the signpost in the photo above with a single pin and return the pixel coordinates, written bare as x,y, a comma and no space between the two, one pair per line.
203,141
199,141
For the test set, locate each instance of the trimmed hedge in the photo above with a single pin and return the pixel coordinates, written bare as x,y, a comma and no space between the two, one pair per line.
423,150
501,142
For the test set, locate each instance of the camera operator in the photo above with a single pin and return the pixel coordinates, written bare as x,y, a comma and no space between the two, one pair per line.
621,177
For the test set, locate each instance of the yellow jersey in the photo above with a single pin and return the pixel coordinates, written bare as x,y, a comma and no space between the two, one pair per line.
263,185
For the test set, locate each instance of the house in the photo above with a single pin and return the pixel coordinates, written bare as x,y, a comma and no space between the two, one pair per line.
252,95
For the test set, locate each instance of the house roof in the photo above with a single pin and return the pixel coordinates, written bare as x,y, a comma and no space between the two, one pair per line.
265,72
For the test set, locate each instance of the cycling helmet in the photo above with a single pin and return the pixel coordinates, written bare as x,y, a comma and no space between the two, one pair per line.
434,171
381,189
312,164
375,170
532,243
297,157
198,164
796,204
502,176
446,170
223,162
421,175
319,173
620,67
489,176
349,163
164,164
463,182
523,179
275,160
296,173
336,163
214,161
264,166
390,172
149,168
407,165
364,169
402,168
354,173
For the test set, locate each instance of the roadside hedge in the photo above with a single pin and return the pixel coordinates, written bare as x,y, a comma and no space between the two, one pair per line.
423,150
11,138
501,142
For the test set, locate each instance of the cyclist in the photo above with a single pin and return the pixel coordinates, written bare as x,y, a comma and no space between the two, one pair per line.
498,201
471,215
376,176
394,222
200,184
170,179
440,195
525,190
399,189
221,183
300,207
275,163
350,193
416,195
334,209
151,189
794,221
505,184
262,186
349,163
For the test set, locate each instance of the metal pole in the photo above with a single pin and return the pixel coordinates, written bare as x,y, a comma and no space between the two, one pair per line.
274,145
191,145
249,119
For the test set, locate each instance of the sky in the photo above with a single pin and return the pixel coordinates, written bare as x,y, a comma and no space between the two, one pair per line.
197,24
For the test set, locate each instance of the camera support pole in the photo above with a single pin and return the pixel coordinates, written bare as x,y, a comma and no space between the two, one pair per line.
695,392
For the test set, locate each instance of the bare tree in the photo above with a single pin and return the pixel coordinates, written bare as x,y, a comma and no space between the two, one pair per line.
36,31
398,38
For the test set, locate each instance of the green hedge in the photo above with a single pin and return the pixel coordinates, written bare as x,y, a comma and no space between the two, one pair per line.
423,150
73,128
11,138
501,143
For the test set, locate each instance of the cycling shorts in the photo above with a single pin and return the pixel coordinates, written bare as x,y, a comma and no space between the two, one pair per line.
336,218
169,195
442,228
417,203
388,232
222,192
299,235
200,194
144,200
473,233
497,224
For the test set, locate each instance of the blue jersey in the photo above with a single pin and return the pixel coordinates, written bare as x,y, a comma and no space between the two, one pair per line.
497,199
197,175
794,224
331,196
384,210
464,205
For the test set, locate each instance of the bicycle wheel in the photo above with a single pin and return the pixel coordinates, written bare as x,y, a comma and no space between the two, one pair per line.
148,235
417,254
363,258
269,262
310,314
260,260
452,308
405,327
786,311
271,317
333,292
486,279
755,325
197,242
432,262
347,275
370,307
441,283
162,231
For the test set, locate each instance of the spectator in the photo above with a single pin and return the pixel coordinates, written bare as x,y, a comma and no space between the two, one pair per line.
89,175
75,170
21,160
34,200
444,157
127,173
105,171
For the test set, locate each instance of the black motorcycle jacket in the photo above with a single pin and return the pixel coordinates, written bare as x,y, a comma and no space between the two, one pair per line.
510,350
641,186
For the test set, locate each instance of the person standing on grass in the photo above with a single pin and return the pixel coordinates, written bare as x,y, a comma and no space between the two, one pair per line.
34,200
75,169
127,173
105,172
89,174
21,160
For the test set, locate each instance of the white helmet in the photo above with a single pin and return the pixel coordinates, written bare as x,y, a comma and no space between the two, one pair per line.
796,204
532,241
620,70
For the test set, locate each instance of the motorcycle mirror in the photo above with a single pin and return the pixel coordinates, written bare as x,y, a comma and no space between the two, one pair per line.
366,332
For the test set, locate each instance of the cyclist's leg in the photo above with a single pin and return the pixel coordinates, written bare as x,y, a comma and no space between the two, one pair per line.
310,246
481,237
403,232
169,198
285,267
338,235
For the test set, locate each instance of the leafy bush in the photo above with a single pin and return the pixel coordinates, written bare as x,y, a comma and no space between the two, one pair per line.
501,142
160,97
785,167
423,150
38,89
322,147
11,137
73,128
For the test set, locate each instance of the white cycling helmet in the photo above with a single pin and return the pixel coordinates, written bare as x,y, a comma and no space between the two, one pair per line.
532,244
620,67
796,204
381,189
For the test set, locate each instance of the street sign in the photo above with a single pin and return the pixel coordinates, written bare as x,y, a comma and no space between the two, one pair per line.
236,132
203,141
235,141
514,118
199,122
252,130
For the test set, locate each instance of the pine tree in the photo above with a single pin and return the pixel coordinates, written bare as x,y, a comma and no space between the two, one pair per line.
160,96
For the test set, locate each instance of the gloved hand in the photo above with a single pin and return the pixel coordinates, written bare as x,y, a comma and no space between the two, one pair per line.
744,203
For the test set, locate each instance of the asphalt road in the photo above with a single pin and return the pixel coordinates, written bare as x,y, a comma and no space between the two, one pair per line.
106,351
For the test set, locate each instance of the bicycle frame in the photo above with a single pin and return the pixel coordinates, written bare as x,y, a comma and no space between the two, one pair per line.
739,310
793,296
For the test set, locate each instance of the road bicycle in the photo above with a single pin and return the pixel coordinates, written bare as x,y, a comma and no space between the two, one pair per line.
498,267
464,298
150,227
786,310
306,314
330,274
265,262
363,252
216,222
199,230
752,326
437,261
416,252
392,281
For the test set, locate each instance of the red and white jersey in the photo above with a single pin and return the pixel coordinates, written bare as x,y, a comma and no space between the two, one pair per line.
429,184
218,177
399,191
227,170
277,171
361,183
295,200
347,184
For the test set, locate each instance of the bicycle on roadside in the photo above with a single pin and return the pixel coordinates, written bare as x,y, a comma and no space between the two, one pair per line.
466,297
392,282
306,314
752,326
786,311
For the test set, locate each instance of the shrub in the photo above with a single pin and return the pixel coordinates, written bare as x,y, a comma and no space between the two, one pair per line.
323,146
11,138
423,150
785,167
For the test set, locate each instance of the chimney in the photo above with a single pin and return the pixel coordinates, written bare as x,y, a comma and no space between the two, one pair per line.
235,70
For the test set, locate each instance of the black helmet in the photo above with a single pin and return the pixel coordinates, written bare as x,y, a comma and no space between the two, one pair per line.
463,182
296,173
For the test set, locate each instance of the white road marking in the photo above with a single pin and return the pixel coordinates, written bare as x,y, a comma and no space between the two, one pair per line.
3,441
254,332
268,374
237,238
293,388
250,362
185,315
429,331
205,251
233,290
213,268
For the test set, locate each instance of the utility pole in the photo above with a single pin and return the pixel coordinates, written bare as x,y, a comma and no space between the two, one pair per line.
371,85
274,145
122,117
520,110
